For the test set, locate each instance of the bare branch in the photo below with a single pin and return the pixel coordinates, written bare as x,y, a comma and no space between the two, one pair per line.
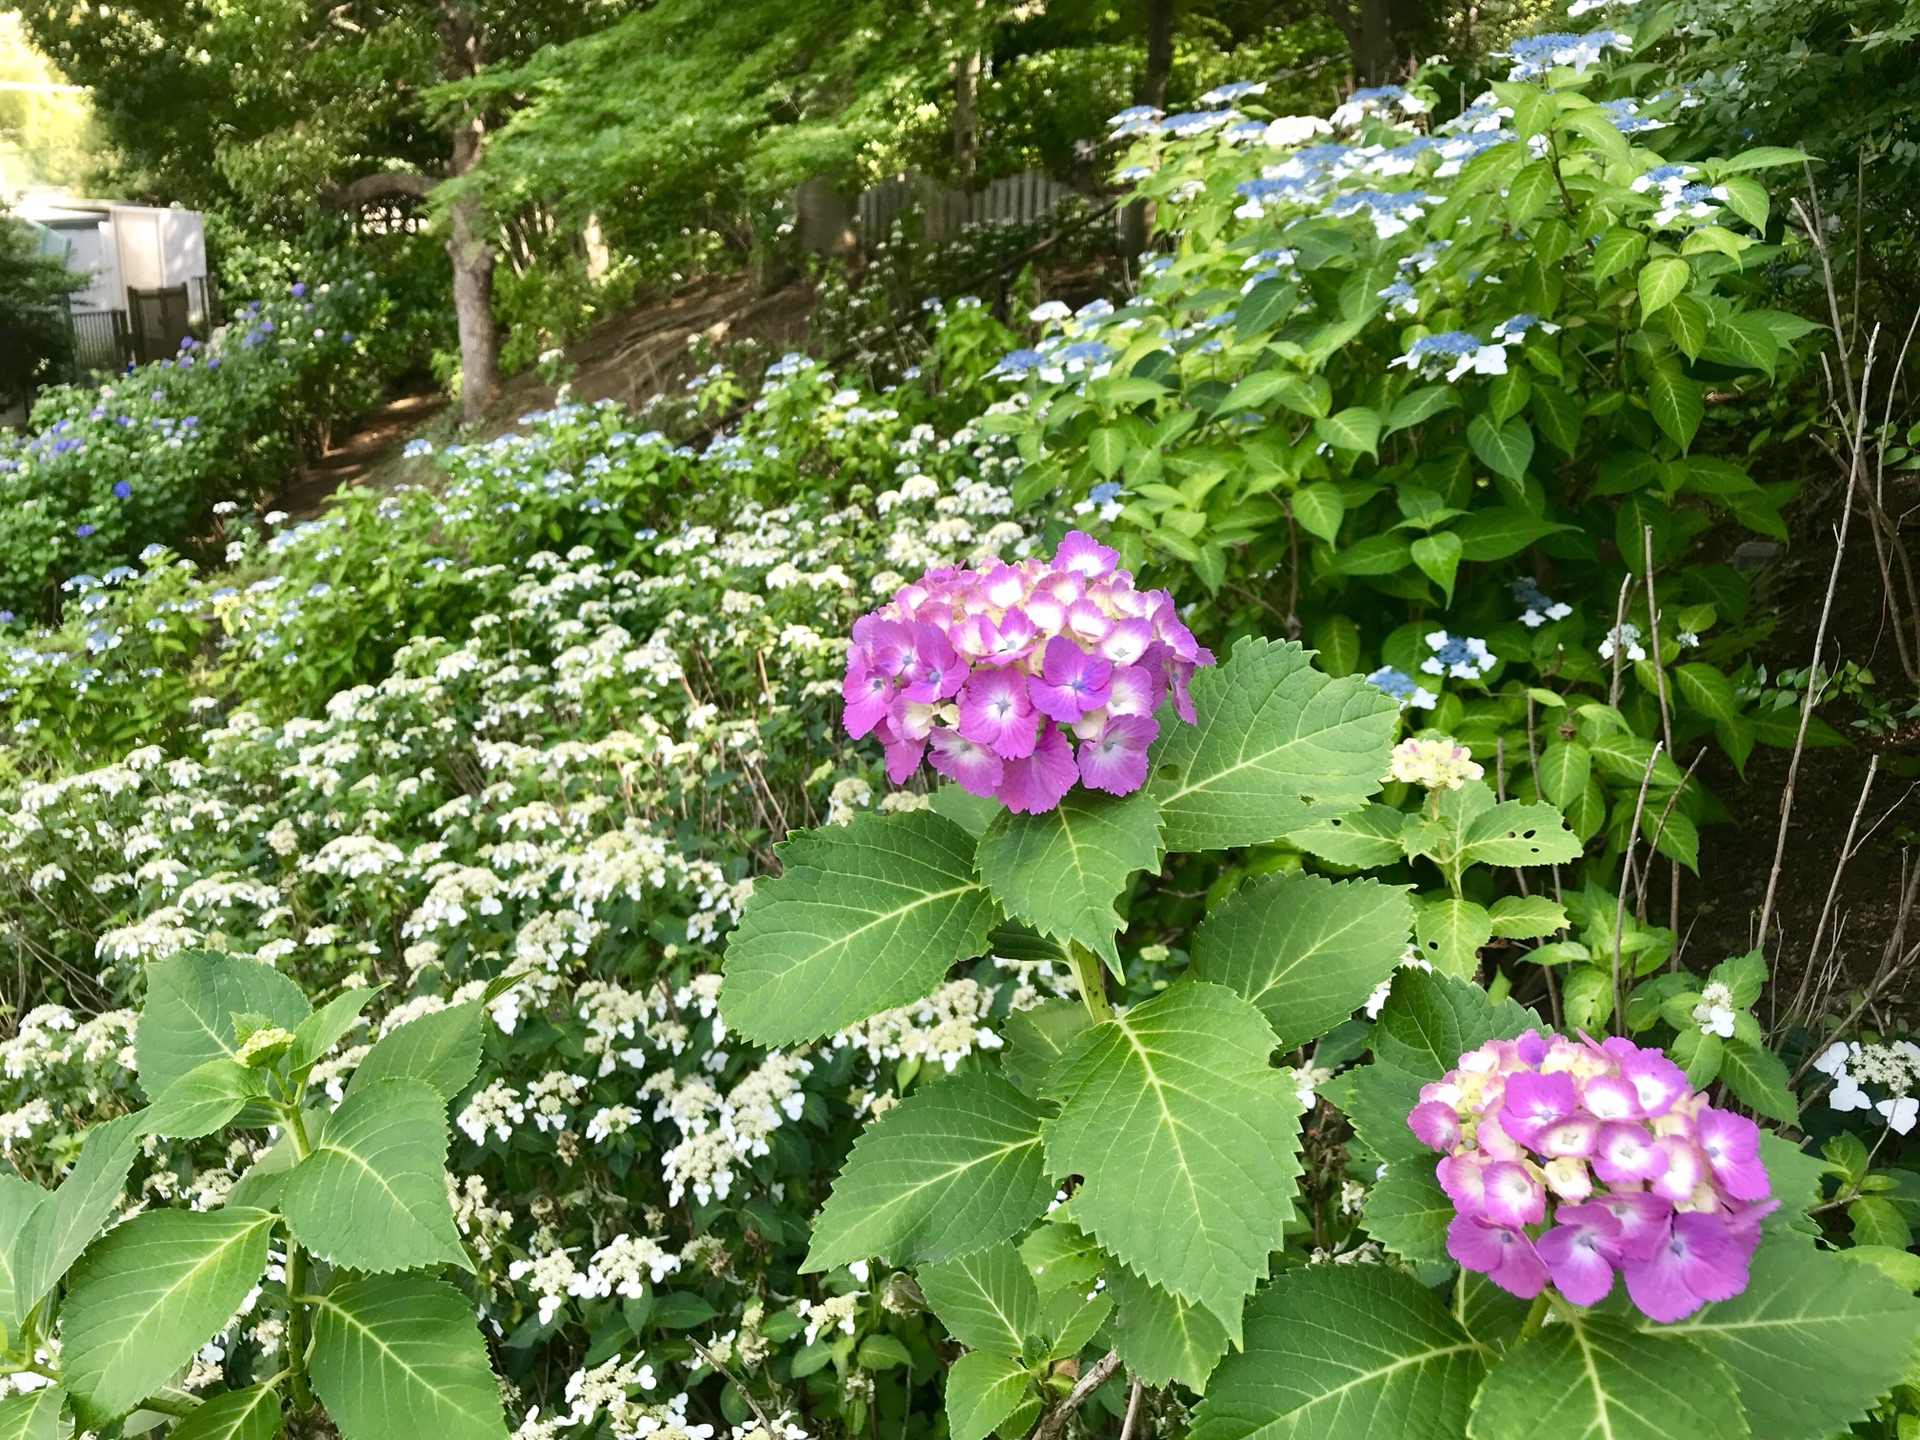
385,185
1054,1423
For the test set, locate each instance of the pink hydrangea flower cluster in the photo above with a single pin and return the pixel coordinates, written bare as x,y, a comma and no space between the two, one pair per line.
994,670
1569,1160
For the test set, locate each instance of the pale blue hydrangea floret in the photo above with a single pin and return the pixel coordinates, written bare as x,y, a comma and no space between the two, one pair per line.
1535,55
1390,211
1104,492
1233,90
1196,122
1400,296
1403,687
414,449
1456,353
1627,119
1459,656
1017,363
1540,606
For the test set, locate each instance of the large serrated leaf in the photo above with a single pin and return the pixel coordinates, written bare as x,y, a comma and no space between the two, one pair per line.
1812,1342
1035,1038
952,1168
1515,833
983,1389
402,1356
192,998
202,1100
18,1200
1449,934
1305,949
1430,1021
250,1414
32,1416
64,1224
1596,1375
147,1295
372,1194
1279,747
1161,1338
1366,837
1408,1212
987,1300
1344,1352
1186,1140
440,1049
1061,870
866,916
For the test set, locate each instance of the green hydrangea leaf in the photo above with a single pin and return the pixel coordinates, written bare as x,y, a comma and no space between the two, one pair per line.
1366,837
64,1224
1759,1078
866,916
1527,917
987,1300
372,1193
321,1031
1812,1342
401,1355
982,1391
1513,833
440,1050
1407,1211
202,1100
1062,869
1431,1020
1279,746
1449,934
1035,1039
32,1416
1600,1376
192,998
1162,1338
1186,1140
954,1167
147,1295
18,1200
1379,1098
1306,950
1344,1352
250,1414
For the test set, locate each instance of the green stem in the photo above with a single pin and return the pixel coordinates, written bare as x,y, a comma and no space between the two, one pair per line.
1536,1317
299,1315
1093,985
167,1405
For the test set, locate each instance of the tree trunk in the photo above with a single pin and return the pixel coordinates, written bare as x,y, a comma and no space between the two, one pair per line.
1153,83
1369,29
966,121
472,254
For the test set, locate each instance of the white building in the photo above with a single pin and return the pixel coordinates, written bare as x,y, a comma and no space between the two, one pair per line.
145,265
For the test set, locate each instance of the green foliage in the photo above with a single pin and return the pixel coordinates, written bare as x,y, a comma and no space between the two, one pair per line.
949,1170
860,919
1061,870
1336,1353
1305,949
34,287
147,1294
101,472
370,1194
1599,1375
1185,1140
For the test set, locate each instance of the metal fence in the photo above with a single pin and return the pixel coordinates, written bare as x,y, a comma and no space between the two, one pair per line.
100,341
1022,199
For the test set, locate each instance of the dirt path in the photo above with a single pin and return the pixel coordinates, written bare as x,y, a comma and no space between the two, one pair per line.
629,357
374,444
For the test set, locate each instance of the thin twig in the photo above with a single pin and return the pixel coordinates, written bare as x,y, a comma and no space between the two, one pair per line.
1619,646
1133,1410
1856,412
734,1380
1833,888
1666,708
1620,901
1054,1422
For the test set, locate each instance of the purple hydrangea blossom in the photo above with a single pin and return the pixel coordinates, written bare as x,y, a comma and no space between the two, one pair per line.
1018,681
1571,1161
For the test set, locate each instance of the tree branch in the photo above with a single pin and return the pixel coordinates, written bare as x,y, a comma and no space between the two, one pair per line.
1054,1423
385,185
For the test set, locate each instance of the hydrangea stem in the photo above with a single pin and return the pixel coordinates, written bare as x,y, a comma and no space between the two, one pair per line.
1093,985
1537,1316
298,1312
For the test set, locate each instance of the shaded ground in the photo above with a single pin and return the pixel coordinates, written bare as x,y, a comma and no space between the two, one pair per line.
1721,907
629,357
